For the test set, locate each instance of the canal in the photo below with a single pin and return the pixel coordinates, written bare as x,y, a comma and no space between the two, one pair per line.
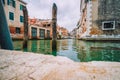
77,50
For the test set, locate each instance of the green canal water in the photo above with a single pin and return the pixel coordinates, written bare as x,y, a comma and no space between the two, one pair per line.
80,51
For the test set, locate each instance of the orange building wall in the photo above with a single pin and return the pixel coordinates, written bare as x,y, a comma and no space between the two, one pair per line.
12,29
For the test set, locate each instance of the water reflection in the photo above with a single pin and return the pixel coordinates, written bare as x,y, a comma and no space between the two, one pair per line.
66,49
81,51
98,51
54,47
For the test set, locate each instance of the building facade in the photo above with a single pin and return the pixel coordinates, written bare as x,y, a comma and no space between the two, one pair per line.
74,33
63,32
40,29
14,14
99,18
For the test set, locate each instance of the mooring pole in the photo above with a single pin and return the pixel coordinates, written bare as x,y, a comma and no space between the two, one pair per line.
5,38
25,38
54,21
54,26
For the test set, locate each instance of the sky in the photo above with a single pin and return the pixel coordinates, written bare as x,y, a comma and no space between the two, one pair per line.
68,13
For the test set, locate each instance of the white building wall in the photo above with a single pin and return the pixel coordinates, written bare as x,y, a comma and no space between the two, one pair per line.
88,19
17,12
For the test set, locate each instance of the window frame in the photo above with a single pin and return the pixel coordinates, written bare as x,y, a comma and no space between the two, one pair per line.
21,7
18,30
11,16
21,19
42,33
48,33
103,28
34,32
3,1
11,3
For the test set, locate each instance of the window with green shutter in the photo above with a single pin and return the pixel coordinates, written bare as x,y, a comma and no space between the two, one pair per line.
11,3
11,15
21,19
48,33
21,7
3,1
8,2
42,33
34,32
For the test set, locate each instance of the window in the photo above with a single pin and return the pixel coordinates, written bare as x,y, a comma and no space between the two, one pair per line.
21,19
44,25
34,32
48,25
8,2
18,30
108,25
42,33
119,25
21,7
11,16
11,2
3,1
48,34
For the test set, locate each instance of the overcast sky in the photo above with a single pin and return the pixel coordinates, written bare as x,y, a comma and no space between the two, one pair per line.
68,11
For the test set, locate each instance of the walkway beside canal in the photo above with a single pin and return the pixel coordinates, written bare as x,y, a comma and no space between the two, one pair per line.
16,65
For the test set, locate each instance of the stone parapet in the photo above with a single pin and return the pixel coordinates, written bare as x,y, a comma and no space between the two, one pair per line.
16,65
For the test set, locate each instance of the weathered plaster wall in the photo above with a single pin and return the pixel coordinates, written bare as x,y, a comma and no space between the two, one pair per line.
109,10
95,30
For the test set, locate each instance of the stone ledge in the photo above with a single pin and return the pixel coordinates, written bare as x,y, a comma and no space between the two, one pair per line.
101,39
16,65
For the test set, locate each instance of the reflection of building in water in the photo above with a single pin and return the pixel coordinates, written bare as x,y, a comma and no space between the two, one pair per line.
40,46
90,51
48,44
33,46
112,55
64,45
83,50
45,46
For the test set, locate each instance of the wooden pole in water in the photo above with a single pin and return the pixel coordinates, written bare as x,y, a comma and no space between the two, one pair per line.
5,38
54,21
54,26
25,39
